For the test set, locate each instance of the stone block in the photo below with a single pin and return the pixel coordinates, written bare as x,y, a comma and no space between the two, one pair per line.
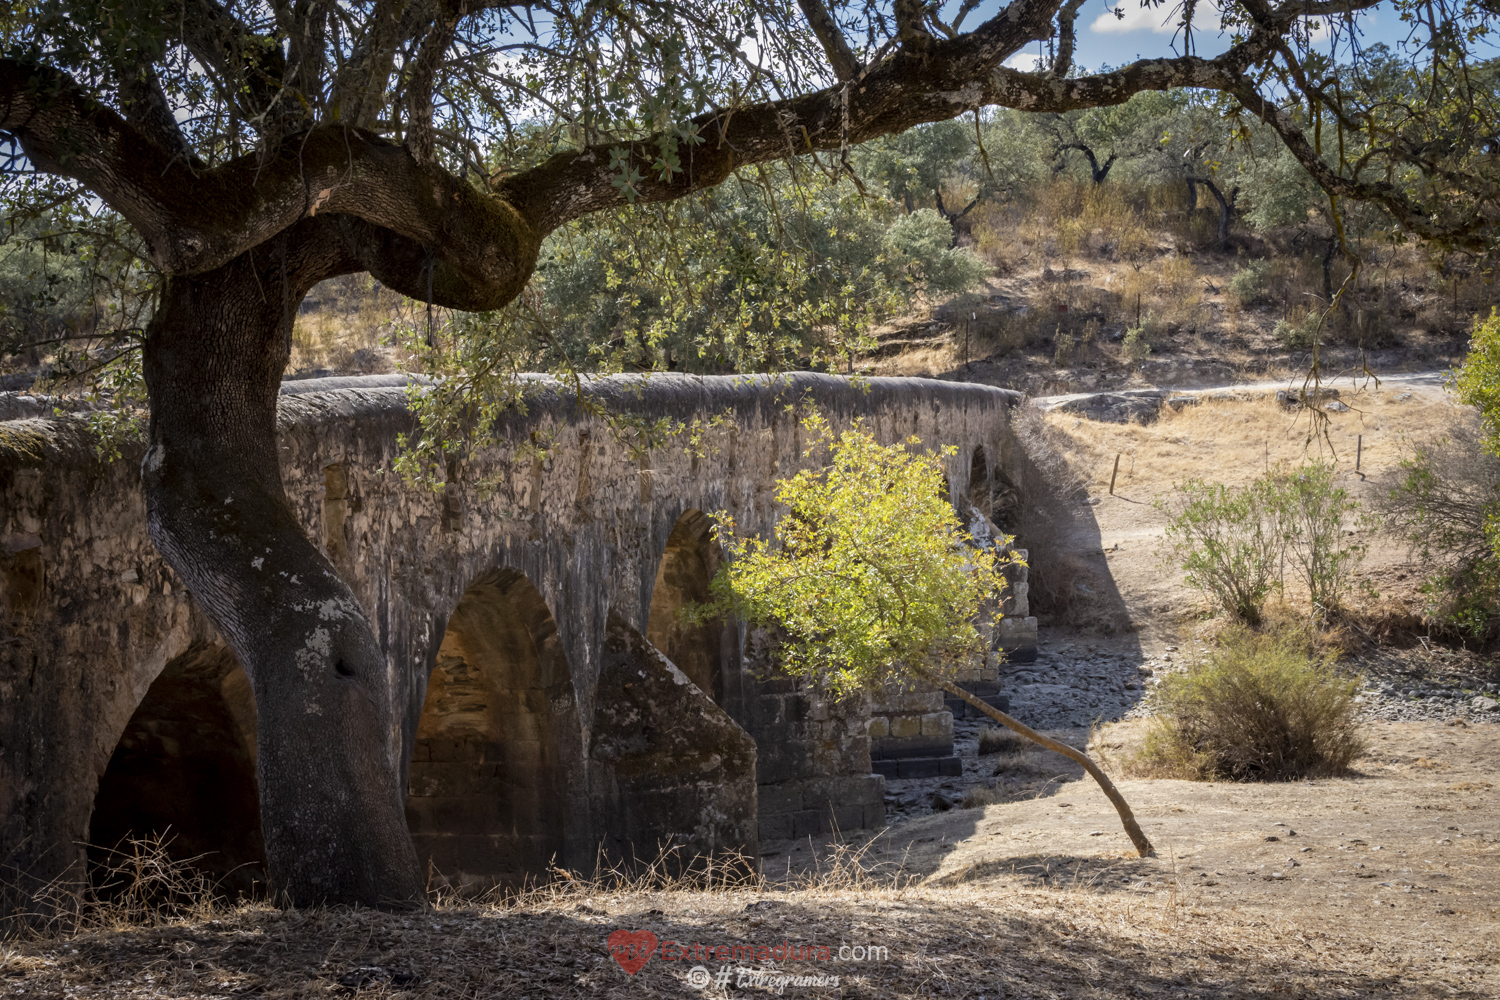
937,724
927,767
780,798
893,701
915,746
903,726
846,818
769,710
777,827
810,822
878,726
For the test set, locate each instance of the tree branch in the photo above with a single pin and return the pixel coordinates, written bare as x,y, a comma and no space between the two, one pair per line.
147,110
479,251
1464,234
1065,39
1127,818
835,45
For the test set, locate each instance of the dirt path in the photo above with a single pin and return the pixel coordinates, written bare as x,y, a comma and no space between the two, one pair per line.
1425,382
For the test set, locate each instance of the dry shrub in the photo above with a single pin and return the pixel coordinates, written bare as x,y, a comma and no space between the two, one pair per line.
980,796
1262,707
138,884
993,741
992,227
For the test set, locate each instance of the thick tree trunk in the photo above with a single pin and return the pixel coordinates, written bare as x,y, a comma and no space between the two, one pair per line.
331,809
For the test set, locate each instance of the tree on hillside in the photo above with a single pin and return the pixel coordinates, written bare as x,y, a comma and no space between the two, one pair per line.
258,147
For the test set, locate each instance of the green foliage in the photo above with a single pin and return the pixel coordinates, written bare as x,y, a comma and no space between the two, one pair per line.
1277,191
1298,334
869,568
912,165
1261,708
1235,543
1312,511
1137,344
1464,603
1445,501
923,240
1477,380
1248,286
1227,540
790,272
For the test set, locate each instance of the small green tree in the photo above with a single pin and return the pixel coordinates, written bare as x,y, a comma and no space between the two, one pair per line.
1236,543
1312,511
873,578
1228,541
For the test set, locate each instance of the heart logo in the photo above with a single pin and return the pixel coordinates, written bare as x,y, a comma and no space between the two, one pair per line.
632,949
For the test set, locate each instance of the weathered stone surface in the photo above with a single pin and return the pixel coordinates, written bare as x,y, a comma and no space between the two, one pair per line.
93,618
1117,407
677,775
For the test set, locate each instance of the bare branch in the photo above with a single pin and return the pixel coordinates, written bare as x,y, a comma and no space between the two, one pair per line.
835,45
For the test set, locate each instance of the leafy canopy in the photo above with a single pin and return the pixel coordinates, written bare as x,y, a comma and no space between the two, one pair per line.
869,569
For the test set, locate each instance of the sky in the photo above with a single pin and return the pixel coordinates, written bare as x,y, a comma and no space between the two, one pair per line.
1147,32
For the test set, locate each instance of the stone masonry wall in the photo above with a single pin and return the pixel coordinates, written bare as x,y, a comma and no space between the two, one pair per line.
92,616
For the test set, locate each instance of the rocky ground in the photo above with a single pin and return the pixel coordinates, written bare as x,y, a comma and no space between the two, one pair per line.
1081,680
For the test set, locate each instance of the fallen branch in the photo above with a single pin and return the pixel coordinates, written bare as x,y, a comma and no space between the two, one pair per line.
1127,818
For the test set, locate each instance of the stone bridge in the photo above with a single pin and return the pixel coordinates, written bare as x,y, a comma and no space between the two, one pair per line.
554,706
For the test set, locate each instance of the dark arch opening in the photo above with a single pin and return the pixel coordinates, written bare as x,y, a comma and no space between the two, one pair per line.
184,770
688,563
486,802
979,482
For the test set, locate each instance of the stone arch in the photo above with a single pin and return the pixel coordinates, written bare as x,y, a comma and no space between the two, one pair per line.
705,653
487,801
184,769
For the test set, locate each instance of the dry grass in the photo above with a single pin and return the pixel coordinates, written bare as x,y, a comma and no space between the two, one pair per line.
1001,741
1142,252
345,326
973,935
1236,441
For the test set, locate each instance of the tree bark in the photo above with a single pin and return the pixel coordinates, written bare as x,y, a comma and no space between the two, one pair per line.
332,811
1226,205
1127,818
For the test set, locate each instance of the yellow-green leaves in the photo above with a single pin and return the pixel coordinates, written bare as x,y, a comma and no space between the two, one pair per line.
869,567
1477,381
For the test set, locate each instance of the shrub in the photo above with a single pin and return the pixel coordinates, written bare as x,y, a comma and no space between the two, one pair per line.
1248,286
1136,346
1062,348
924,238
1444,499
981,796
992,741
1312,511
1234,544
1298,334
1229,543
1261,708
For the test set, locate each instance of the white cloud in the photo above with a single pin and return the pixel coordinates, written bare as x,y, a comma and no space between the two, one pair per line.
1160,20
1026,62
